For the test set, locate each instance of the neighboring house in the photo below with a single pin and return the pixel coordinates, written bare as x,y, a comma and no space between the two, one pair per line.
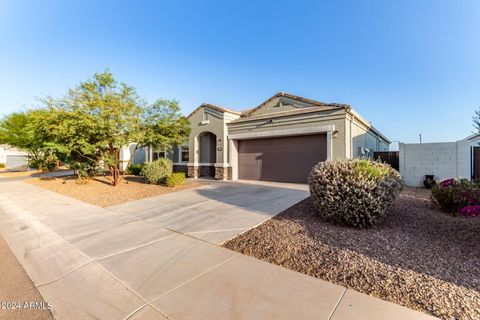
279,140
442,159
13,158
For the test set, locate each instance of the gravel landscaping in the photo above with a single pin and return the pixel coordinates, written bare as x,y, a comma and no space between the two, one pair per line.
98,190
416,256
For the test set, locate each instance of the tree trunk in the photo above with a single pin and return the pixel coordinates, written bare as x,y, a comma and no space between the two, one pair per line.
116,170
128,163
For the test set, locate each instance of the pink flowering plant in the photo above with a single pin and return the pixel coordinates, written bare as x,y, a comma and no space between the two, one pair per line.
458,197
470,211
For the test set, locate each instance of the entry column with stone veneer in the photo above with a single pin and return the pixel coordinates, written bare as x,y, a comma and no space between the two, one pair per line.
223,171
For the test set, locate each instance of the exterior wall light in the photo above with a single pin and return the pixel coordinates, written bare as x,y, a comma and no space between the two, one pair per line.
335,134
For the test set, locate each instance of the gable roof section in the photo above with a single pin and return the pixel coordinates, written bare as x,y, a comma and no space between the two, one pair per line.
283,113
316,106
214,107
473,137
315,103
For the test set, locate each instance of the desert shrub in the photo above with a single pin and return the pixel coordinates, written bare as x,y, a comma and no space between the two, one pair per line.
47,163
453,195
175,179
87,169
353,192
135,169
157,171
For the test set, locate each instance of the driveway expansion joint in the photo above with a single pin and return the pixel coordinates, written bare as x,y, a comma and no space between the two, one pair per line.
194,278
338,303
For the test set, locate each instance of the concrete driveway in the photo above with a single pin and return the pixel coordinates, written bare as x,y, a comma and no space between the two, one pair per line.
158,258
217,212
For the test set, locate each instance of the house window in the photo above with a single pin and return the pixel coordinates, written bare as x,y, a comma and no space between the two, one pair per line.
158,155
184,154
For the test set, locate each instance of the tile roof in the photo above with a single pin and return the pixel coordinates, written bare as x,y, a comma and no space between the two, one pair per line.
212,106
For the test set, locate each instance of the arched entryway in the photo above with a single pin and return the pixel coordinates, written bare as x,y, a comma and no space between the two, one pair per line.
207,154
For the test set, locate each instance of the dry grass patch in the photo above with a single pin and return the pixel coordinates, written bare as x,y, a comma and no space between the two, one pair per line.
416,256
98,190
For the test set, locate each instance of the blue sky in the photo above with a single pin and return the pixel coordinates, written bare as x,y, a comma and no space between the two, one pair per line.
410,67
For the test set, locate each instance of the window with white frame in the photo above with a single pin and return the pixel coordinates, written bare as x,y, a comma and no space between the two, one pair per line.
158,154
184,154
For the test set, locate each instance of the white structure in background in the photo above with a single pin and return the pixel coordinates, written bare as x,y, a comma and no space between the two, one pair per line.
442,159
3,156
13,158
141,156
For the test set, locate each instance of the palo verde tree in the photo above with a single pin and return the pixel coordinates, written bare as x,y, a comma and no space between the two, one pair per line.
94,120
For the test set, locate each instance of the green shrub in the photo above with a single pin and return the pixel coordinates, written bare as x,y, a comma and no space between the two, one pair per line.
46,163
135,169
353,192
157,171
175,179
451,195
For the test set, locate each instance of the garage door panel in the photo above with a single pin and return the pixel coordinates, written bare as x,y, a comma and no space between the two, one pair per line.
285,159
252,165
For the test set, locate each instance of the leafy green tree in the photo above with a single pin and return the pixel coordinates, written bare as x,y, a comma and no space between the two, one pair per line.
13,130
22,130
94,120
161,126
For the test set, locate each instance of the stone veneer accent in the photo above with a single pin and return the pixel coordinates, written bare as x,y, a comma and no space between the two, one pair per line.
220,173
192,171
223,173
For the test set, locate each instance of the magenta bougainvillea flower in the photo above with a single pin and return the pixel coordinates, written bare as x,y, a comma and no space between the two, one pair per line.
447,182
470,211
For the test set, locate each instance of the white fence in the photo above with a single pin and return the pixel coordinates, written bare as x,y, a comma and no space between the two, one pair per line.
443,160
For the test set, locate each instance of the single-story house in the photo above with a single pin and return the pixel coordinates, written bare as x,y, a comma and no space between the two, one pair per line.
13,158
441,159
279,140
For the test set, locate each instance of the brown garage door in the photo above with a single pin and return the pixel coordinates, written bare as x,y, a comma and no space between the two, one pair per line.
285,159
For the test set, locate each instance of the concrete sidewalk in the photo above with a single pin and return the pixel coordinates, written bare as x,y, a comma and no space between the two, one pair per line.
128,262
6,176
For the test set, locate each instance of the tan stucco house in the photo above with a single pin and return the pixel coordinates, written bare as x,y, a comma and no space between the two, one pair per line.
279,140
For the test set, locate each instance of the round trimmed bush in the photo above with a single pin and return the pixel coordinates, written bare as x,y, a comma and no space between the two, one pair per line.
175,179
353,192
157,171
